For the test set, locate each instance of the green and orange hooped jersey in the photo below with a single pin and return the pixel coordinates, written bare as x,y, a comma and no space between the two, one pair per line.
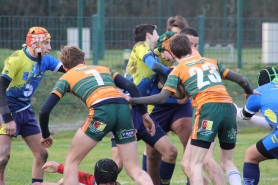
90,83
201,78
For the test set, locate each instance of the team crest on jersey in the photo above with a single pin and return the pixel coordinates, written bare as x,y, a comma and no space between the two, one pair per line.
232,133
25,75
123,133
206,127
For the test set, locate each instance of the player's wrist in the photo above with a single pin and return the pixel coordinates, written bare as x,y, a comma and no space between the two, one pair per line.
7,117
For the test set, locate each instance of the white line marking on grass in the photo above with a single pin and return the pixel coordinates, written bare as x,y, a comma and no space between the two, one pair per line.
243,143
269,179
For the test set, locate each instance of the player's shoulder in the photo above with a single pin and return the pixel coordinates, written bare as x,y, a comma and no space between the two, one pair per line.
269,87
211,60
16,56
49,58
141,47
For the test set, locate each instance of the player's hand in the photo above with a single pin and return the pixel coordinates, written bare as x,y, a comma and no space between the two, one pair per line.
50,167
11,128
159,85
238,112
184,100
254,92
47,142
149,124
180,93
126,97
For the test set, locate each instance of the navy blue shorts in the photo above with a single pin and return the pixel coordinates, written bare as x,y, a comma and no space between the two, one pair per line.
270,143
166,115
141,132
26,123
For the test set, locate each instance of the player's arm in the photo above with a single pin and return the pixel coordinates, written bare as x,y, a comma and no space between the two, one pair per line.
240,80
129,86
61,69
180,91
152,100
155,66
48,105
4,109
257,120
83,177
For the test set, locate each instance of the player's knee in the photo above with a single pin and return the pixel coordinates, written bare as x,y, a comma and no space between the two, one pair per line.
185,166
248,155
172,153
206,164
209,163
4,159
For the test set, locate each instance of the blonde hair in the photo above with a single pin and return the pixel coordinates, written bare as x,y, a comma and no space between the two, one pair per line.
71,56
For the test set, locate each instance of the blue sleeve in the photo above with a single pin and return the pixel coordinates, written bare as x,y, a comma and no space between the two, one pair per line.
253,103
155,66
52,63
171,100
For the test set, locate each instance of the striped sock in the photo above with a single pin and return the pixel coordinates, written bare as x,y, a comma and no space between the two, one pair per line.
234,177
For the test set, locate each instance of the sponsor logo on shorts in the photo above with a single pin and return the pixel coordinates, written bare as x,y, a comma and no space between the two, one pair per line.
206,127
274,139
97,127
123,134
232,133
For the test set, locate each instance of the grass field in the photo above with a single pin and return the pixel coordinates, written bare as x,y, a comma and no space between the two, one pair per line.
71,110
18,171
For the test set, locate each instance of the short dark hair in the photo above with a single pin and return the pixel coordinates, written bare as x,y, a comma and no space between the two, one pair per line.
106,171
189,31
180,46
139,32
267,75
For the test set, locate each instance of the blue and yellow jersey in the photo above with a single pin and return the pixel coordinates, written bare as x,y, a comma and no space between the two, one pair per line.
92,84
267,103
202,80
137,71
25,74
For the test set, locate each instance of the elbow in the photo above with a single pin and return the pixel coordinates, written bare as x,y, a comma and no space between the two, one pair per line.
43,112
243,81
